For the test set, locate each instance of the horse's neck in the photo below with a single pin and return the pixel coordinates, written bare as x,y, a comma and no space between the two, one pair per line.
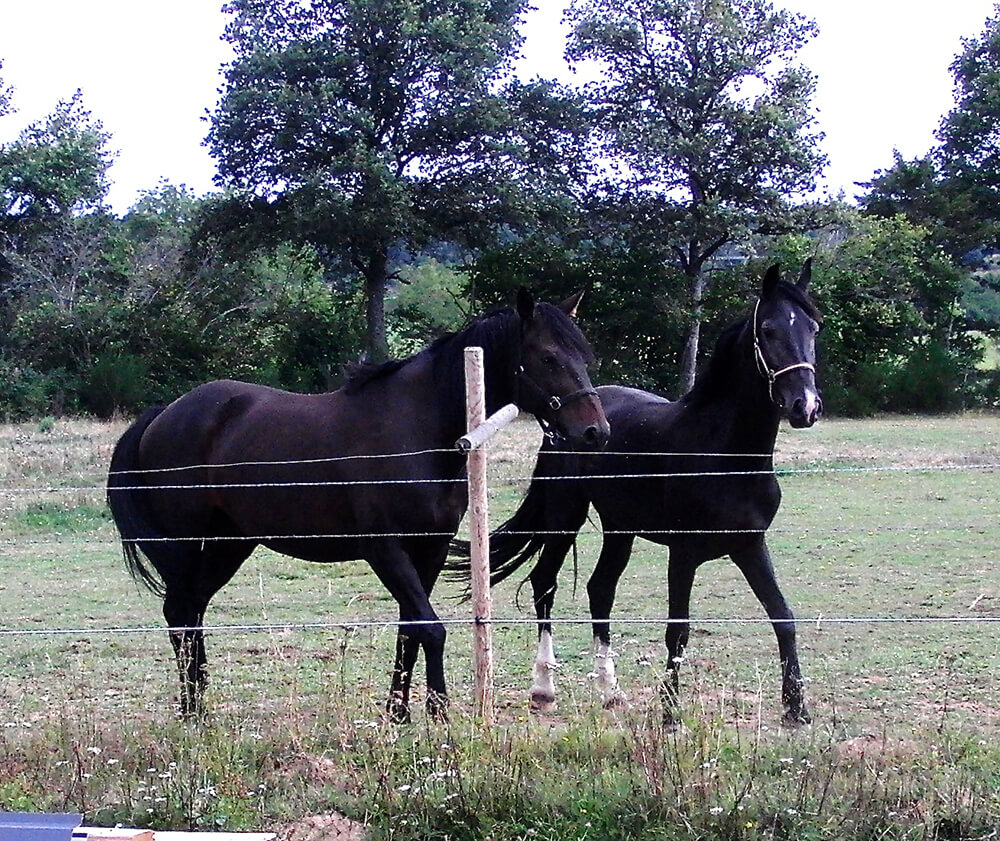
741,414
452,390
498,378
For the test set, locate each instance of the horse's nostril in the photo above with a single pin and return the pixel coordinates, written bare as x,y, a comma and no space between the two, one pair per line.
594,436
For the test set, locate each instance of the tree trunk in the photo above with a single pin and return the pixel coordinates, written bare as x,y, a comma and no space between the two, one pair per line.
376,281
689,359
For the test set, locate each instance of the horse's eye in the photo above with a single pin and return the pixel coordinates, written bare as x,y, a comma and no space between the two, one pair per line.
767,329
549,361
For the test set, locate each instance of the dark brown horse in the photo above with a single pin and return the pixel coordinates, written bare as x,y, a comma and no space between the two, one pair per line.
367,472
695,475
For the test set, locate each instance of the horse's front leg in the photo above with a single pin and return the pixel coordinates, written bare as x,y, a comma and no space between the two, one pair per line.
601,589
755,564
544,577
419,627
407,647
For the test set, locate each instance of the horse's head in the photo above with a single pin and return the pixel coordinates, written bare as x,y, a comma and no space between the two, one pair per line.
785,324
552,380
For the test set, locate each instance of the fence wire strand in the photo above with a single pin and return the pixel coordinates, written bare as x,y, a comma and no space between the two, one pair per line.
510,480
302,627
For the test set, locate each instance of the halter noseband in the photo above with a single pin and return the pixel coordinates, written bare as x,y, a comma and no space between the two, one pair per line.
554,402
762,366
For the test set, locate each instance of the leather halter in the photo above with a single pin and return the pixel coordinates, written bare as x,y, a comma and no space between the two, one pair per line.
765,370
553,402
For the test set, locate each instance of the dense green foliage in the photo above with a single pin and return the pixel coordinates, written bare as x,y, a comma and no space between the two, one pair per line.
375,127
708,121
387,178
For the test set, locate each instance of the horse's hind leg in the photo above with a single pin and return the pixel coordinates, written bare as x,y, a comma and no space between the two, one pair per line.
189,588
601,587
755,564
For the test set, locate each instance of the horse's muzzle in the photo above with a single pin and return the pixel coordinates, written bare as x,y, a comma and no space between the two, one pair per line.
595,436
805,411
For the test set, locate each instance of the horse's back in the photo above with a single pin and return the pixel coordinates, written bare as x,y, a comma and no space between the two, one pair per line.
184,432
638,418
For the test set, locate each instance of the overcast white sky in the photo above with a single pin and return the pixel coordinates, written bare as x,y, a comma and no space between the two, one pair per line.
150,72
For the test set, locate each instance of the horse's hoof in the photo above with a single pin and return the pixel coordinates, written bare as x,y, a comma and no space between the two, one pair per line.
542,702
191,711
796,718
397,711
618,700
437,706
671,718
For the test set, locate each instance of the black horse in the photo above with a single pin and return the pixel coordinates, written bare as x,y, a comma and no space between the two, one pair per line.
695,475
367,472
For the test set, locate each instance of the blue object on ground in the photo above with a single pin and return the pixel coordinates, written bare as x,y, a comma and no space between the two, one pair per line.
26,826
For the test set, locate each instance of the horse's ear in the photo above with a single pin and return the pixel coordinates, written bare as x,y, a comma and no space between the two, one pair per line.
525,304
570,305
771,278
806,275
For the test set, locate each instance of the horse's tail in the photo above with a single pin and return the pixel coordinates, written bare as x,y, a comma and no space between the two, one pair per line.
127,501
551,507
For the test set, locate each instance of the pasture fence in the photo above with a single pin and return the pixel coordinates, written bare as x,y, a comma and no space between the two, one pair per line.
482,620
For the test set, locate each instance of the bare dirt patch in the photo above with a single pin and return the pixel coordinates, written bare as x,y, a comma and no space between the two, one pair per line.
330,827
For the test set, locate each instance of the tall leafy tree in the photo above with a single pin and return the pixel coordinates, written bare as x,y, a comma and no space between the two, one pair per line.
59,255
707,121
970,132
368,126
6,95
954,190
53,181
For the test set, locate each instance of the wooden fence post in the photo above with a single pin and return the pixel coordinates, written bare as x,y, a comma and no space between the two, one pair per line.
482,600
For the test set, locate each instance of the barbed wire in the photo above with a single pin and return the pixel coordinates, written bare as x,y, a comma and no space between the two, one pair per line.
510,480
352,624
588,529
513,621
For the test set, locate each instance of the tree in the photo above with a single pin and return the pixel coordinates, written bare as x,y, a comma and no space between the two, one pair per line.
57,252
54,174
6,96
708,122
918,190
57,167
364,128
893,337
970,132
954,191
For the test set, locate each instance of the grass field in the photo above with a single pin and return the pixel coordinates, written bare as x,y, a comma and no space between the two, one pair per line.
892,524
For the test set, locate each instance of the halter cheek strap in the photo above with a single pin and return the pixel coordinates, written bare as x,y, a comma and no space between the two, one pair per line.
553,402
765,370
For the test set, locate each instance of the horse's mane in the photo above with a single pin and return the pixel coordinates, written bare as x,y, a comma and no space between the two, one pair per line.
489,332
717,372
497,333
361,373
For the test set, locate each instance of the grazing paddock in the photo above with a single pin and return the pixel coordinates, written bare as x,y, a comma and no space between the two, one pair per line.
893,524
